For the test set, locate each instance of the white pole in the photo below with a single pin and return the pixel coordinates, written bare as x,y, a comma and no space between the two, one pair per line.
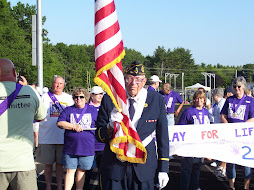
34,59
214,82
39,46
183,85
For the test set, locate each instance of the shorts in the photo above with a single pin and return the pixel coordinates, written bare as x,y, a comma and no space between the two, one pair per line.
49,153
36,127
74,162
25,180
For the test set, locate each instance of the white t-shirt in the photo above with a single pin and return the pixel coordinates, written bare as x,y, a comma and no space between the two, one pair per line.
49,133
208,102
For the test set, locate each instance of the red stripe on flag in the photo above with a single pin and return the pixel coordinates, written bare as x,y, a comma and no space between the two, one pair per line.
139,153
120,91
104,78
108,57
119,65
133,133
104,12
106,34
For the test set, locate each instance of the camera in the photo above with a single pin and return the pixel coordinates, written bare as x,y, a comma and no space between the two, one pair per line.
19,78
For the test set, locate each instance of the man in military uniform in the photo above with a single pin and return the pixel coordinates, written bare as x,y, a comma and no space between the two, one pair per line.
149,116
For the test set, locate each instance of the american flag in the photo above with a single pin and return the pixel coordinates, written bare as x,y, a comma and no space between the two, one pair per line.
109,51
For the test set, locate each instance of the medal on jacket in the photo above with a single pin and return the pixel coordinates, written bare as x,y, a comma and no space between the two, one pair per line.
77,119
197,115
235,108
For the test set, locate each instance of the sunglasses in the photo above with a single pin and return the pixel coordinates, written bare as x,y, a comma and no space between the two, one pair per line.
81,97
235,86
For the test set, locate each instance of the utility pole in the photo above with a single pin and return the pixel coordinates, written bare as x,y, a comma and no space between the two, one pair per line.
34,56
39,46
183,86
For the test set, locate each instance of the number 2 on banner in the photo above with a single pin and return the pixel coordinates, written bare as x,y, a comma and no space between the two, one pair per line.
245,155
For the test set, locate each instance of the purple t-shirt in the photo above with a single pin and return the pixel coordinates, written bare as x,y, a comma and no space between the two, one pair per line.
189,116
244,112
79,143
98,145
171,99
151,88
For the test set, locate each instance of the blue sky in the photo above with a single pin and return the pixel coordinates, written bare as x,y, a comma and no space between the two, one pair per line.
215,31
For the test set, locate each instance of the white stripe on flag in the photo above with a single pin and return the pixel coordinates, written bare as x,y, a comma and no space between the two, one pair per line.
105,23
118,75
108,45
100,4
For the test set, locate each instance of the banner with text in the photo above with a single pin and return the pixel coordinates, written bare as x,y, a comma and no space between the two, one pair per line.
228,142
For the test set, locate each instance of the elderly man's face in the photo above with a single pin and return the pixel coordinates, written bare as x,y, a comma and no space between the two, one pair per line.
134,84
58,85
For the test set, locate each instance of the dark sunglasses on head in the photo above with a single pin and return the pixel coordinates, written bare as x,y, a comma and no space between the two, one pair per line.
234,86
81,97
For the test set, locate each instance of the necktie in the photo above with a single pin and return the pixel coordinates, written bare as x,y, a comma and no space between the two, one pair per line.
131,109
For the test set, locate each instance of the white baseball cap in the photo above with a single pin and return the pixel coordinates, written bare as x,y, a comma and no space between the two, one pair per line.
45,90
155,78
96,90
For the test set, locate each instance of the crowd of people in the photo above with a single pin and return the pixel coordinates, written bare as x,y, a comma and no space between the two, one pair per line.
74,132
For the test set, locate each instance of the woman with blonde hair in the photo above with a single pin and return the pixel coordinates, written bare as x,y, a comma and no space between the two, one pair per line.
197,114
78,150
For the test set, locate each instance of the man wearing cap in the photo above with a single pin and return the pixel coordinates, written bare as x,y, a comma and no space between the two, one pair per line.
147,113
171,98
228,92
154,82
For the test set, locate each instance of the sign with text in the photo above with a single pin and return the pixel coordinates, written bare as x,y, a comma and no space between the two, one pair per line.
228,142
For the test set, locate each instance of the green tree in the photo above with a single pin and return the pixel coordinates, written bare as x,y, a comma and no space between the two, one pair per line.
248,71
13,42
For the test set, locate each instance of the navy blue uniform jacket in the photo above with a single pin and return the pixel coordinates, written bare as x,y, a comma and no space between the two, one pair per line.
114,169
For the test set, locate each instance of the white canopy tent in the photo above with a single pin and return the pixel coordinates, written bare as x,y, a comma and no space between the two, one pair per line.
189,90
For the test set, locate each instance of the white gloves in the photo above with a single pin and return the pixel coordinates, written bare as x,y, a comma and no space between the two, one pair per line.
115,117
163,180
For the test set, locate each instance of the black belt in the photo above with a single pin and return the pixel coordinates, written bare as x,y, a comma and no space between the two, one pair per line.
169,113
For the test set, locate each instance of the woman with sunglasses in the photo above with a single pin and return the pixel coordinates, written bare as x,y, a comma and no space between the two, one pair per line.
190,166
78,150
238,108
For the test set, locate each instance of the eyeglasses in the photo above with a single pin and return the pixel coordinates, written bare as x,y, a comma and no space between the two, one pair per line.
235,86
130,79
99,94
81,97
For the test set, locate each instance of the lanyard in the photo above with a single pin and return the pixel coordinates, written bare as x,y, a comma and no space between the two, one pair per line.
77,119
197,115
238,105
56,102
8,101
